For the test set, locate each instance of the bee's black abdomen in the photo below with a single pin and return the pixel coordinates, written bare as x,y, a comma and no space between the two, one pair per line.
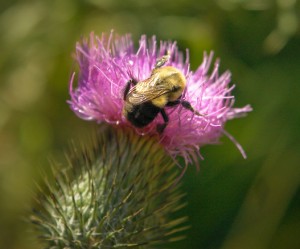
142,115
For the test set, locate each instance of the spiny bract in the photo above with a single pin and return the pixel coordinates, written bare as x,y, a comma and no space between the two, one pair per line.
117,192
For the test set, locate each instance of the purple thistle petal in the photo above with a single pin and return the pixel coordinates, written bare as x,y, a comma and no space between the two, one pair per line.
106,63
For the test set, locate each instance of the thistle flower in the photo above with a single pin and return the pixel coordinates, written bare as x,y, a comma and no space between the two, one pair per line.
117,191
106,63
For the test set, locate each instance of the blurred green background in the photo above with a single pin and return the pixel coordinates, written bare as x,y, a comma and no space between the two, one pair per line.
233,203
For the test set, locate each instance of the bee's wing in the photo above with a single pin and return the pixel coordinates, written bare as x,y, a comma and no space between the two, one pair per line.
147,90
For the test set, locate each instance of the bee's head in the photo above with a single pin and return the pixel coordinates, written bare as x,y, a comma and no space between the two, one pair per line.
171,78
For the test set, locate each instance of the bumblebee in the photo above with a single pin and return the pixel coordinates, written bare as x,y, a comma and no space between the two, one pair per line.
145,99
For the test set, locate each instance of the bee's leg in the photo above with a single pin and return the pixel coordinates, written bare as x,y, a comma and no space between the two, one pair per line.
161,127
187,105
173,103
127,87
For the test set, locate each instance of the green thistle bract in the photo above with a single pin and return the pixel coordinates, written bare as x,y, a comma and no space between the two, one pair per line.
116,192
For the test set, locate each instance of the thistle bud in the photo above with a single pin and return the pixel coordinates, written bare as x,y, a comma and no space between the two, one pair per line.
116,191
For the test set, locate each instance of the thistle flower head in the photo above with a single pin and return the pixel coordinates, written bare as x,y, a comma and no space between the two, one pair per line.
106,63
117,192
